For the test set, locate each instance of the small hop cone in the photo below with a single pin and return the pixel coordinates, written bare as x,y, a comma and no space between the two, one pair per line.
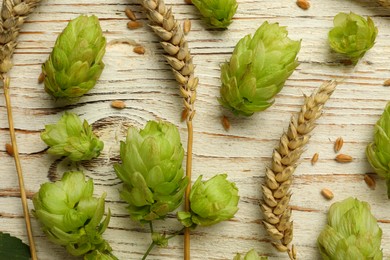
352,232
151,171
211,201
258,69
378,152
251,255
72,217
352,35
218,13
72,138
75,63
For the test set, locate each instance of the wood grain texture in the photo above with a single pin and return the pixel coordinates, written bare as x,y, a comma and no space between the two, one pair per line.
146,85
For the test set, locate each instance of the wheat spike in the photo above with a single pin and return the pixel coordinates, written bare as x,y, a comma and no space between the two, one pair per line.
174,43
276,187
180,59
13,15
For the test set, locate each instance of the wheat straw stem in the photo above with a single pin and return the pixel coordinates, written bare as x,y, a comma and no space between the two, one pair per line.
276,188
179,58
23,196
13,15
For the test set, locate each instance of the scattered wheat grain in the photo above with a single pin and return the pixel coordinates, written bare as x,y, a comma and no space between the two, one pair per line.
303,4
41,78
129,13
328,194
186,26
370,181
386,83
139,50
338,144
9,149
314,159
119,104
225,123
134,25
343,158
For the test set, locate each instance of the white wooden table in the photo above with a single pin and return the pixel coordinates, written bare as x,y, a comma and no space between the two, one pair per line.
147,86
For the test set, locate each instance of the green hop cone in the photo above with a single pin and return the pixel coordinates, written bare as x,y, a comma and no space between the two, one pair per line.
72,217
72,138
75,63
251,255
218,13
378,152
352,232
258,69
352,35
151,171
211,202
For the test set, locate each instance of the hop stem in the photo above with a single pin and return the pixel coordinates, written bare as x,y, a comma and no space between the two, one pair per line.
6,83
149,250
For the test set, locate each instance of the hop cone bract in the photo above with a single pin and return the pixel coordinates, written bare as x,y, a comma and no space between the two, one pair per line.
258,69
352,35
352,232
72,138
211,202
151,171
72,217
75,63
378,152
218,13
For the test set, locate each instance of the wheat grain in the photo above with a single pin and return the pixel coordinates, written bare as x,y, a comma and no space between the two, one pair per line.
129,13
328,194
314,159
9,149
370,181
303,4
338,144
139,49
276,188
119,104
134,25
343,158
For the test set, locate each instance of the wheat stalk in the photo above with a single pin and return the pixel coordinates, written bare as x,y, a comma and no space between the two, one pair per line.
276,187
13,15
180,59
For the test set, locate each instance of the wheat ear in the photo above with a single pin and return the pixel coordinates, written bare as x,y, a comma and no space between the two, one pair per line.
13,15
180,59
276,187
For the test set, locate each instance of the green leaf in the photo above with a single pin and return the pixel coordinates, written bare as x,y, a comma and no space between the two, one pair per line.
13,248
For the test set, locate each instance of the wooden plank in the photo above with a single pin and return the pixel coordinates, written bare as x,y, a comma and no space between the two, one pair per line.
146,85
